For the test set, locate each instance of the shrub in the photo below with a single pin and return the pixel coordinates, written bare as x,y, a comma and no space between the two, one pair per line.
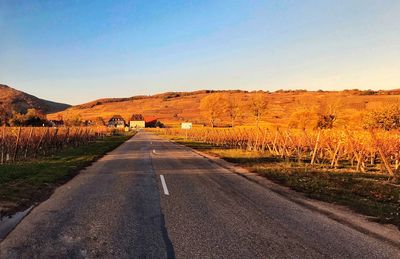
387,118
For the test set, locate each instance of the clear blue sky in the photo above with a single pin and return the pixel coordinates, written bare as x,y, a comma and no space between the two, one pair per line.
76,51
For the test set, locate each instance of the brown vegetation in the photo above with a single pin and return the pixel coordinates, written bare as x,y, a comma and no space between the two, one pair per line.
25,143
14,101
359,151
297,109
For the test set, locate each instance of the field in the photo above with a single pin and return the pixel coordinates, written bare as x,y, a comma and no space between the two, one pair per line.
359,151
32,178
24,143
340,147
283,107
358,169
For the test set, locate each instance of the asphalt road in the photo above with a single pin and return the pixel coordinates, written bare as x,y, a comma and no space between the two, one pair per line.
118,209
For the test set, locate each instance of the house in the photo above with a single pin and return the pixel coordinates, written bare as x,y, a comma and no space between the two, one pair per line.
137,121
116,121
151,122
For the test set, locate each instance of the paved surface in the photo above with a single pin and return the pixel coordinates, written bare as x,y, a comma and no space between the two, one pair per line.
118,209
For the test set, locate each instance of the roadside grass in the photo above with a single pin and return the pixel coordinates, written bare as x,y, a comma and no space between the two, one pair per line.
369,194
24,183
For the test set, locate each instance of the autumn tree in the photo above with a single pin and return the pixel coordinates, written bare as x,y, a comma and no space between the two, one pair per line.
327,113
99,121
232,107
258,105
32,117
211,107
386,118
320,116
74,121
303,118
5,114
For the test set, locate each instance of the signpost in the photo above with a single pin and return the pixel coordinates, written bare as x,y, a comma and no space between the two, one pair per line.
186,126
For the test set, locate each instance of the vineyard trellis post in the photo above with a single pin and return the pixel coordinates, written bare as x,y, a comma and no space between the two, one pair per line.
3,139
27,144
383,157
17,144
315,148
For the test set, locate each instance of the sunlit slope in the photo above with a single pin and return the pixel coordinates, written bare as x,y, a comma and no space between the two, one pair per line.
13,100
283,107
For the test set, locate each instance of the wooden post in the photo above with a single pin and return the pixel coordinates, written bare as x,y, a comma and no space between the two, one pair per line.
263,141
27,143
383,157
17,144
66,138
274,143
335,154
385,162
360,163
54,139
315,148
40,142
3,140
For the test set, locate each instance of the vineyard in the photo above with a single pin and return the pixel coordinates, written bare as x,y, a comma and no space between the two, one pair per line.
24,143
362,151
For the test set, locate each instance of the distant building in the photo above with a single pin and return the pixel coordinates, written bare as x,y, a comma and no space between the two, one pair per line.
137,121
151,122
116,121
186,125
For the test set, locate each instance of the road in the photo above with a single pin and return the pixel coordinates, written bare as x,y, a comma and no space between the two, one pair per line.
118,208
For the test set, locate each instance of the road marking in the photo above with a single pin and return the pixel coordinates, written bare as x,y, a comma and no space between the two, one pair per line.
154,152
164,185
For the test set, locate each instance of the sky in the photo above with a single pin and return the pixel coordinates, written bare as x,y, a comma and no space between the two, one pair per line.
75,51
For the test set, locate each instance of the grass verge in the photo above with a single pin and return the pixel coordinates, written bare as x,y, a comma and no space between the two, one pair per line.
369,194
25,183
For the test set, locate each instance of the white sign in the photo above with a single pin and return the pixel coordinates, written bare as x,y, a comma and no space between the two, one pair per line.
186,125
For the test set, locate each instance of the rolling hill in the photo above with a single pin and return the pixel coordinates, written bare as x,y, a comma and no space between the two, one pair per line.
284,107
14,100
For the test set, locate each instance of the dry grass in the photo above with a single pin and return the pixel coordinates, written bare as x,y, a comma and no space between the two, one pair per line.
175,109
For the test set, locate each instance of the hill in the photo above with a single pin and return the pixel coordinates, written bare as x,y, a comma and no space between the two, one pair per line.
14,100
284,107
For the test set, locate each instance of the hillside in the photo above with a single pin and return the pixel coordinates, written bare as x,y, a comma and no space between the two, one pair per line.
283,106
14,100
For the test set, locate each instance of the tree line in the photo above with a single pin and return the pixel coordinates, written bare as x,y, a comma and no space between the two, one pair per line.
229,108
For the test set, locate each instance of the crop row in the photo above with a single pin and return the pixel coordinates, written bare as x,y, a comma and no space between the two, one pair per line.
361,150
21,143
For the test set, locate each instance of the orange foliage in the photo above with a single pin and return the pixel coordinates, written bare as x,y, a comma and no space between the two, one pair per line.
360,149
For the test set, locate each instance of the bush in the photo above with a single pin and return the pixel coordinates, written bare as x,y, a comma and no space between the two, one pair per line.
387,118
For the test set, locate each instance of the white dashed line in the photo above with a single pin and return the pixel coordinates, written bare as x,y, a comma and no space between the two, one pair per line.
164,185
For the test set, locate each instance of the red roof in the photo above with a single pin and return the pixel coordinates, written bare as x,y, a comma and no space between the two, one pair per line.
150,119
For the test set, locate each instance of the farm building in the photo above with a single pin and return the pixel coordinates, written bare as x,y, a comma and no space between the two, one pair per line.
116,121
137,121
151,122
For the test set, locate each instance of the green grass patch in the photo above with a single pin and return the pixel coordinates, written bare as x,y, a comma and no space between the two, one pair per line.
370,194
24,183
